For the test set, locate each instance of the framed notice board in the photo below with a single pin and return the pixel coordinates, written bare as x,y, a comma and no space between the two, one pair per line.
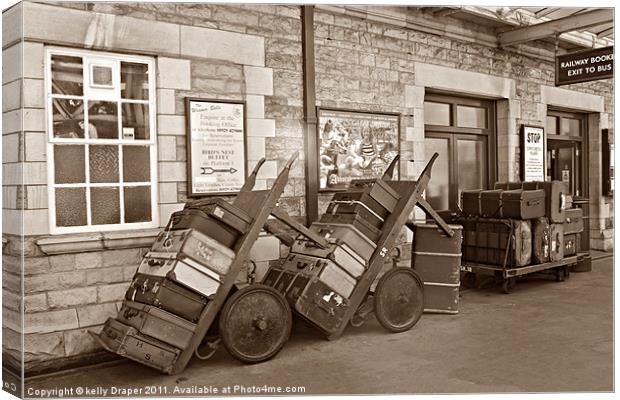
216,146
533,153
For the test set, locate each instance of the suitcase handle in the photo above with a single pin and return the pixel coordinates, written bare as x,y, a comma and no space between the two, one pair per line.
351,202
154,263
329,310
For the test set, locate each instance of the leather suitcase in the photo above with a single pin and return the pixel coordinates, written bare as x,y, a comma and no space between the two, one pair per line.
224,212
318,303
167,295
195,245
541,237
584,263
573,222
198,220
341,199
377,189
195,276
498,239
570,244
557,242
128,342
507,185
157,323
338,279
346,234
340,254
523,204
491,203
555,200
371,232
470,201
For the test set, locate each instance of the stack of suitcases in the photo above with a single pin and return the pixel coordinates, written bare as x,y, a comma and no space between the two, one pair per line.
318,282
175,282
533,211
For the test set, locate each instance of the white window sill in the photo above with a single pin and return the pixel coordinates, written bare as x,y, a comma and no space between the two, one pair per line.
78,243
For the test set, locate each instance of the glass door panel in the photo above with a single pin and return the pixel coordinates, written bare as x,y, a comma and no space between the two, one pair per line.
471,165
438,189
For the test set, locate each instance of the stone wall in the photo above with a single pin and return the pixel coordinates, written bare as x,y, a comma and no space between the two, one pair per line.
249,52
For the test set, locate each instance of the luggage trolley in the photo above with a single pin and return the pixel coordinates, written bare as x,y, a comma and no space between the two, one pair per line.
398,297
256,319
507,275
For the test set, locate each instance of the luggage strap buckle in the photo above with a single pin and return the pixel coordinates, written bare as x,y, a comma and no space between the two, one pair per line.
352,202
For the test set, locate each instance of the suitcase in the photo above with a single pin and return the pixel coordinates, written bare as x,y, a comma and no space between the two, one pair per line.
436,258
498,240
157,323
198,220
555,201
128,342
523,204
570,244
584,263
195,245
195,276
224,212
557,242
541,236
507,185
573,222
316,301
470,201
167,295
346,234
378,190
338,279
341,254
491,203
371,232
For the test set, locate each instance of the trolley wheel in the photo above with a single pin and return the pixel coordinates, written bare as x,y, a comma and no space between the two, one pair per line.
399,299
469,280
207,348
255,323
508,285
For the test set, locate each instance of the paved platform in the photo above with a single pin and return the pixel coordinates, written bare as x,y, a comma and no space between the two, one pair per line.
546,336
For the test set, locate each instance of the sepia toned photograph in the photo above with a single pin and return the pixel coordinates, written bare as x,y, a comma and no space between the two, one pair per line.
206,199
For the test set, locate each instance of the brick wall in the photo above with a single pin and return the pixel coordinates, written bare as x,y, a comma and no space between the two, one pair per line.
227,52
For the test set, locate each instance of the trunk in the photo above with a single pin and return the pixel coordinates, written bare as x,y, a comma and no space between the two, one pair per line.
523,204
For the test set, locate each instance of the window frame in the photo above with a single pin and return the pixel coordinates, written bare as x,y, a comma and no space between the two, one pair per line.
454,133
89,58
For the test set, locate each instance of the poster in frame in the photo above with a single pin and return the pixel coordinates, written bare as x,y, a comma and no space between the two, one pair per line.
355,145
533,164
216,146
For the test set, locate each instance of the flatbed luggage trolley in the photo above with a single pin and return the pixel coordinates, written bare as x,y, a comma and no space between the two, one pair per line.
259,312
398,297
507,275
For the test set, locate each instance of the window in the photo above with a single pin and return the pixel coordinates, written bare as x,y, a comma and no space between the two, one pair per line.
461,131
102,153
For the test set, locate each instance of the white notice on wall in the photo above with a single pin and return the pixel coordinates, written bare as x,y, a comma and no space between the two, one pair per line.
533,153
217,146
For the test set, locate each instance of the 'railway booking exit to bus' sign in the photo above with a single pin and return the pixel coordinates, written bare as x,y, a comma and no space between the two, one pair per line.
584,66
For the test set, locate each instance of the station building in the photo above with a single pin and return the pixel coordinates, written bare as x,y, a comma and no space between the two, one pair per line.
94,134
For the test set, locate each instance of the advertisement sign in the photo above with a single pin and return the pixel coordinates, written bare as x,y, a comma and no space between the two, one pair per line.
216,146
532,153
355,145
584,66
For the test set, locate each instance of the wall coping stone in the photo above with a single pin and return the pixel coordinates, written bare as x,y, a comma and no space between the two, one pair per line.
79,243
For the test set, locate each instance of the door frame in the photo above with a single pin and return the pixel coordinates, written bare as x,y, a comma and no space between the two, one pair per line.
453,133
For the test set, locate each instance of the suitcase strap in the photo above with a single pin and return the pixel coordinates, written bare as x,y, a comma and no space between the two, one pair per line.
352,202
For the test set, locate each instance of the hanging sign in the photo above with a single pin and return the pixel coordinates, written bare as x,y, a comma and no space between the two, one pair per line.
215,146
584,66
532,153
